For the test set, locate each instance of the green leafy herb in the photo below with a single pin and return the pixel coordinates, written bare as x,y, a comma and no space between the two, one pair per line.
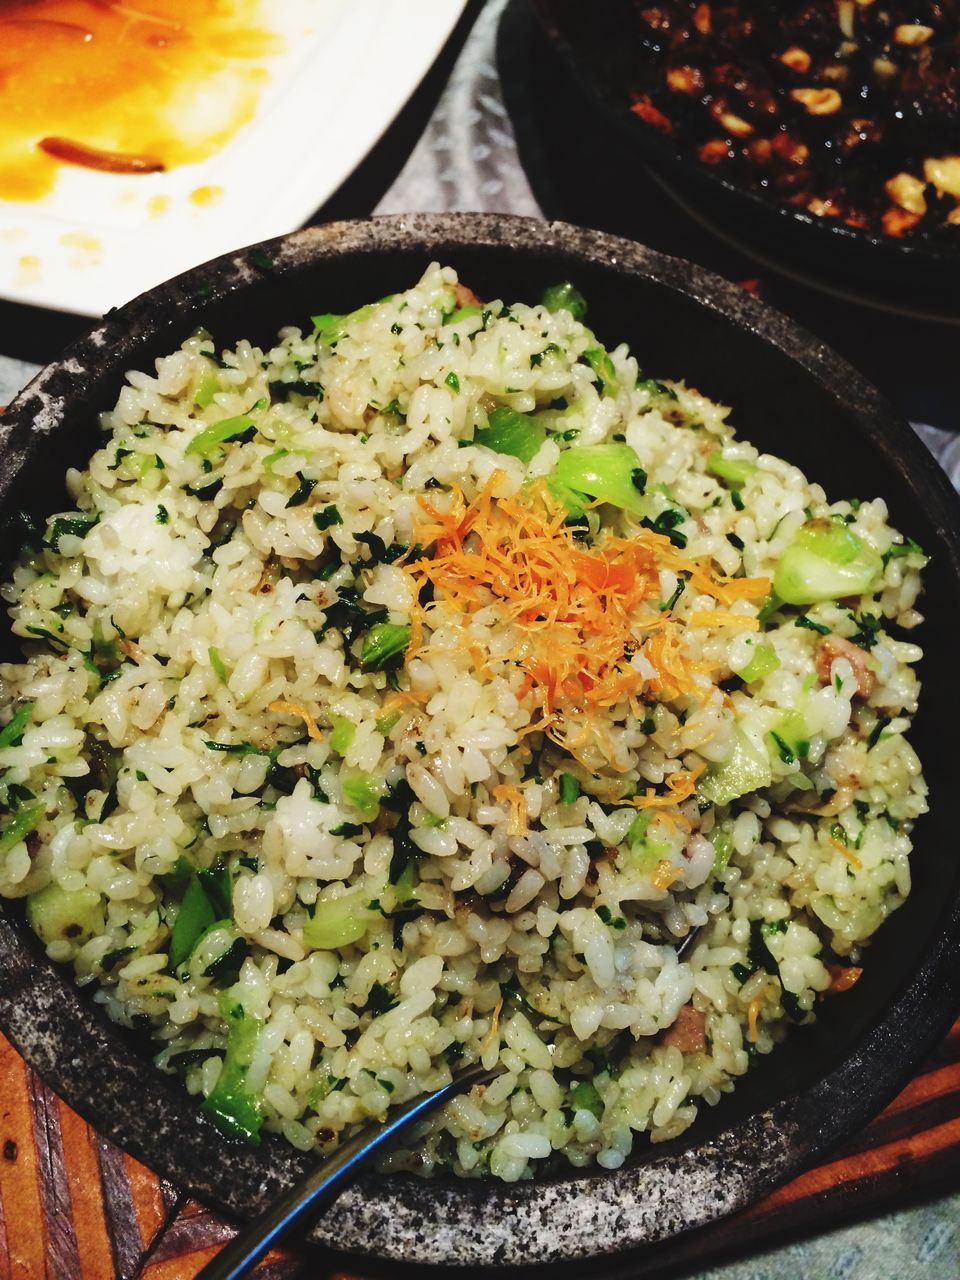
75,526
452,381
877,731
303,491
220,433
327,517
12,733
804,621
666,524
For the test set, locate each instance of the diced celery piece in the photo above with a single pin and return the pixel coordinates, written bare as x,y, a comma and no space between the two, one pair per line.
232,1106
65,915
722,842
330,328
610,472
338,922
746,769
387,722
791,737
364,792
207,388
513,433
735,471
763,661
344,732
825,561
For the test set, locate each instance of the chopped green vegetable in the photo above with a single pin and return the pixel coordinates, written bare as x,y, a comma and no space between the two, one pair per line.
220,433
382,642
380,1000
462,313
330,328
722,842
876,733
65,915
338,922
344,732
735,471
666,524
21,824
232,1106
452,381
599,361
163,515
825,561
364,792
810,625
219,952
584,1097
869,630
569,788
763,661
75,526
565,297
746,769
791,737
513,433
667,605
12,733
327,517
216,662
906,548
610,472
387,722
303,491
194,918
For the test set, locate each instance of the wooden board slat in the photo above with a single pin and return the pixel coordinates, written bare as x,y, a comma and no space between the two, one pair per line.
74,1207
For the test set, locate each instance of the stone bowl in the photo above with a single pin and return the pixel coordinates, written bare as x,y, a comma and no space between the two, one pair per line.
792,396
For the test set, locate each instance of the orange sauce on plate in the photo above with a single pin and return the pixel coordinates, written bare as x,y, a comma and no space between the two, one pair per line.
122,86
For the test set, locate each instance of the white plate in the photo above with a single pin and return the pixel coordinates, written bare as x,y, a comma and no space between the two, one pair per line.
98,239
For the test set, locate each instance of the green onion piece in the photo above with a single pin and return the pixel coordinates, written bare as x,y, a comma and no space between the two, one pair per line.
735,471
384,640
569,788
638,828
610,472
25,820
330,328
65,915
513,433
208,387
208,439
601,364
364,792
763,661
825,561
232,1106
387,722
584,1097
338,922
12,734
344,732
722,842
216,662
194,918
565,297
452,381
746,769
271,458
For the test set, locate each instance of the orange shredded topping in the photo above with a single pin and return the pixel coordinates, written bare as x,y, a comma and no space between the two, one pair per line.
850,856
294,709
710,618
665,874
753,1013
397,699
843,978
680,787
491,1035
512,795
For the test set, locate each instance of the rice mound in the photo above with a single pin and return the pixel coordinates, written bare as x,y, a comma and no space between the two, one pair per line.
351,746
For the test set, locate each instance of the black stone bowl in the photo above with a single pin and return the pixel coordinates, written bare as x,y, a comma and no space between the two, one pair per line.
914,276
790,395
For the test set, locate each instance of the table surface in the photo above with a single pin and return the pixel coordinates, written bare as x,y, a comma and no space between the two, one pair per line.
71,1205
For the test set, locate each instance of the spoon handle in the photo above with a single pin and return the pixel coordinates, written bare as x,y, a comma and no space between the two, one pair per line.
298,1208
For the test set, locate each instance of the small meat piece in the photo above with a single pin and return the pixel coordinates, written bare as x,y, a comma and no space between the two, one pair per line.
466,297
687,1033
832,647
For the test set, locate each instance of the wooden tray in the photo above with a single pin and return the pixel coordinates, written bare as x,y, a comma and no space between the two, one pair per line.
75,1207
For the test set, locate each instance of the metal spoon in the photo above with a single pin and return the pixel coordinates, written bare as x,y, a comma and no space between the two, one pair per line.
296,1210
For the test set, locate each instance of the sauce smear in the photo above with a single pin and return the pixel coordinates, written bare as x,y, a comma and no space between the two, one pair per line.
118,87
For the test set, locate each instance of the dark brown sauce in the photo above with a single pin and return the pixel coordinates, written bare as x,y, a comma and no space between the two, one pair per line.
122,87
